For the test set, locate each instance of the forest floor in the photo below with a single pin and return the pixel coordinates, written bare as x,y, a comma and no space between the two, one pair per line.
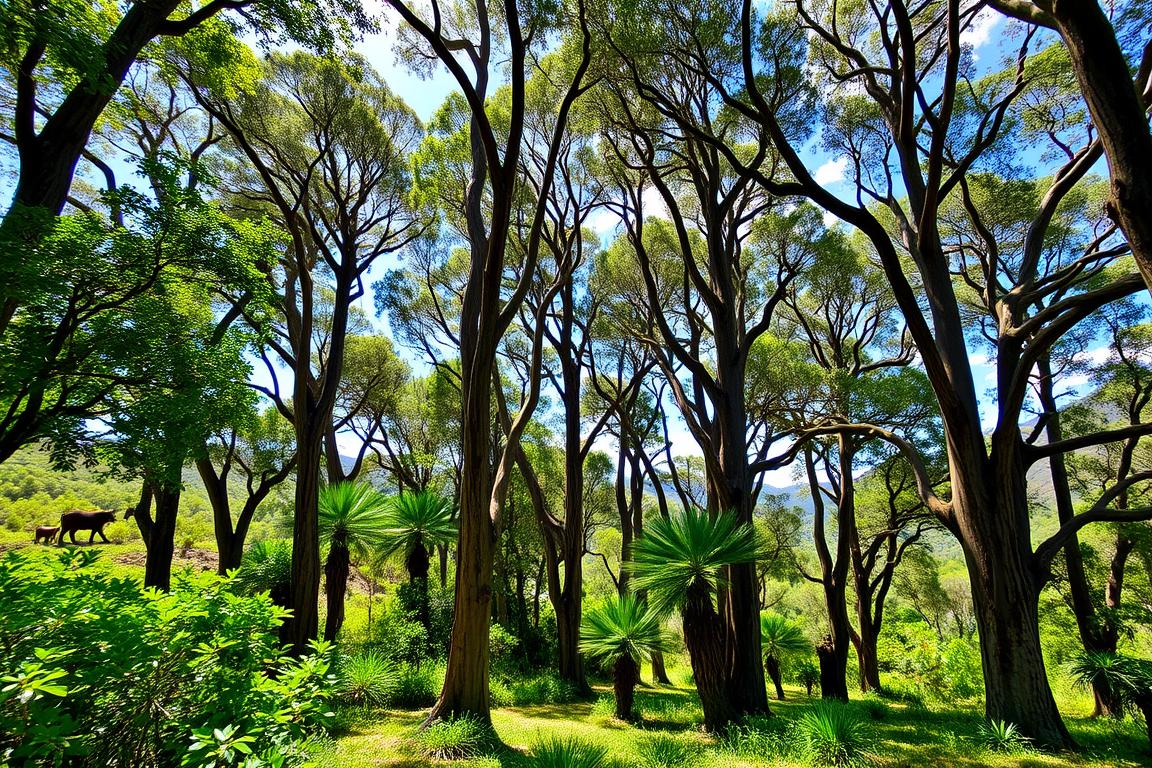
898,736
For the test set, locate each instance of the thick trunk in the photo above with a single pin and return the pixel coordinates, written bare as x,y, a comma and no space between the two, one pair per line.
869,661
626,675
772,667
992,523
336,584
1118,115
833,684
568,643
301,627
158,561
705,635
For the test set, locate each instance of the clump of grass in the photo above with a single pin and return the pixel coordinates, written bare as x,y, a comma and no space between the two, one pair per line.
604,706
1001,736
876,709
367,680
758,738
833,736
455,738
568,752
666,751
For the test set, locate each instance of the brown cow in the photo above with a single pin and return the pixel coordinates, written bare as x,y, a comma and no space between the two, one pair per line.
46,533
93,522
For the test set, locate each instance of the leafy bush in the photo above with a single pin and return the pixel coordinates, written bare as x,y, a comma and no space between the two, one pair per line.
416,686
455,738
808,675
1001,736
663,750
401,637
367,680
266,567
832,735
98,670
568,752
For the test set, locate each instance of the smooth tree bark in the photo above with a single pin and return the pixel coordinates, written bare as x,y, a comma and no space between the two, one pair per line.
988,509
490,200
341,201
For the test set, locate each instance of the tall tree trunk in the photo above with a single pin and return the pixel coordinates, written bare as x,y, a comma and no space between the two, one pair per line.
160,541
705,635
336,569
301,627
659,671
1090,625
991,505
417,564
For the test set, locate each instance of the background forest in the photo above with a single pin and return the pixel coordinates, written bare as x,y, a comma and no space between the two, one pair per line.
575,383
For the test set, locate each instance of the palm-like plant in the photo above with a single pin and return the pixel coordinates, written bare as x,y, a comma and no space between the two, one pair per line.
352,522
1128,679
416,522
680,560
779,638
623,632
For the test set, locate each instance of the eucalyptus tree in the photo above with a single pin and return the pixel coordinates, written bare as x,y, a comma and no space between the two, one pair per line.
1119,472
1111,56
374,380
321,147
64,62
843,313
474,42
257,446
913,133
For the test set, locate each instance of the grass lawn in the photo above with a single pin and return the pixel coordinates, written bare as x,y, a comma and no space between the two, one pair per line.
899,736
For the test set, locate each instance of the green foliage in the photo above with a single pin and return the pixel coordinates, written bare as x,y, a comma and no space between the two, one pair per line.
417,686
353,514
97,668
780,637
1001,736
662,750
832,735
758,737
521,690
808,674
400,637
455,738
1129,678
686,549
568,752
266,567
418,519
621,626
367,679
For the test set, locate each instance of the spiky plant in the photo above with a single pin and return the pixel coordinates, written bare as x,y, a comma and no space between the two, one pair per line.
568,752
622,632
416,522
1127,678
266,567
833,736
779,638
352,522
680,561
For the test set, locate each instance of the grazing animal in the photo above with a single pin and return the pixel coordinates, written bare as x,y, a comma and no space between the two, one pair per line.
93,522
46,533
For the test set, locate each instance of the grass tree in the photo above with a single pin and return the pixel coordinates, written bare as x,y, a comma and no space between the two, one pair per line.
682,560
1129,679
622,632
416,522
353,521
779,637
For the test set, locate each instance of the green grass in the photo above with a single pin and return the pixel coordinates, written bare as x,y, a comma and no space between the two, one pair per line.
904,737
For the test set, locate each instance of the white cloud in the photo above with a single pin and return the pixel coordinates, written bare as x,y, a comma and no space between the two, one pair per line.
979,32
832,172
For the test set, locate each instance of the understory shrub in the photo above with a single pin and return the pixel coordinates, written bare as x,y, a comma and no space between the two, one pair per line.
832,735
568,752
416,686
455,738
367,679
98,671
401,637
